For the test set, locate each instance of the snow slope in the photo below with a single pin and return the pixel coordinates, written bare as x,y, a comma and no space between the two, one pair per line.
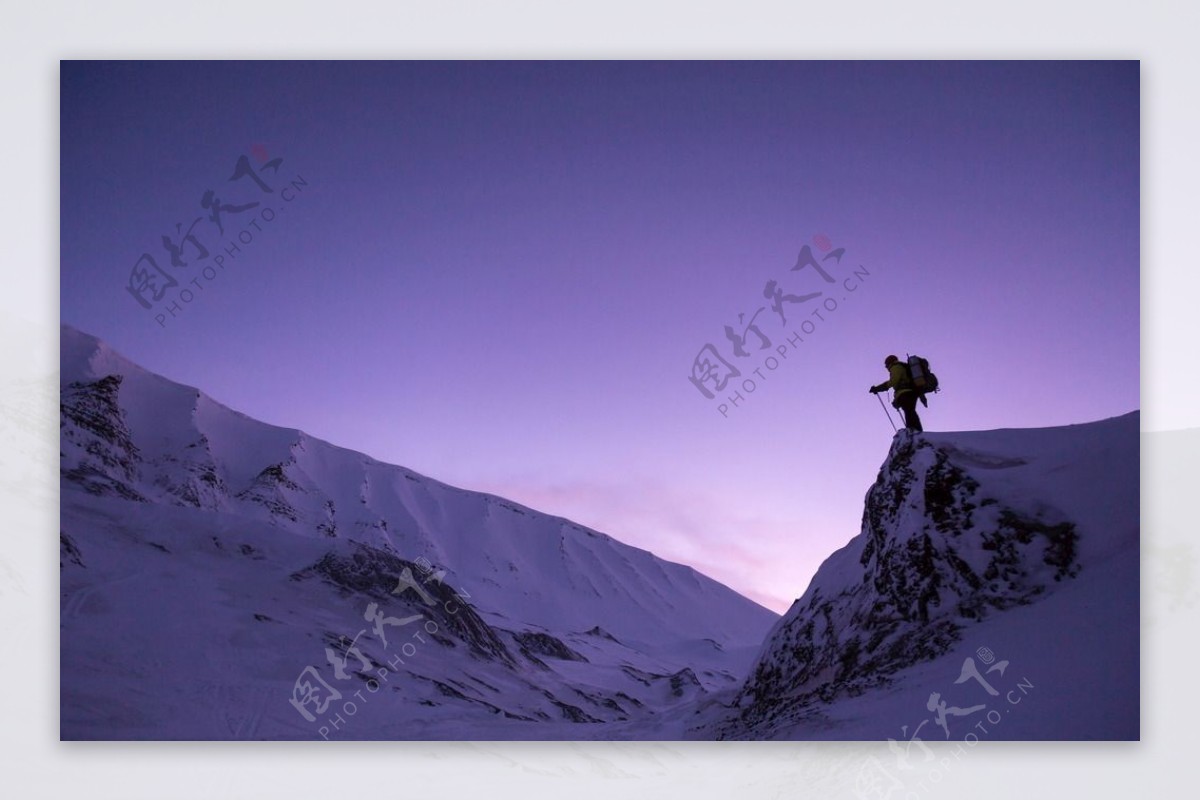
209,560
1014,549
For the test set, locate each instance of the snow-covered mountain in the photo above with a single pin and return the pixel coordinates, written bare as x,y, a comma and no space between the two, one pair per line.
225,578
991,567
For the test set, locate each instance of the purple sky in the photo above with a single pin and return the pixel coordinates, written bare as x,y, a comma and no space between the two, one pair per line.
499,273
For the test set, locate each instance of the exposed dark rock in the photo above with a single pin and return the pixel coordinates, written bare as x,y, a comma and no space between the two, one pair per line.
68,551
270,489
542,644
376,574
92,419
934,556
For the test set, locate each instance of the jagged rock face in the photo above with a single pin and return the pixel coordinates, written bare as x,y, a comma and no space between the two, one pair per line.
192,479
372,572
537,643
106,461
271,489
92,422
934,554
68,551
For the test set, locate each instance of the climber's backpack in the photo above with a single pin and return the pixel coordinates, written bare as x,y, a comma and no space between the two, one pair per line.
922,378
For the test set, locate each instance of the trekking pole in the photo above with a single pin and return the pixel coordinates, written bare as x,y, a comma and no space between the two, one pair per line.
885,411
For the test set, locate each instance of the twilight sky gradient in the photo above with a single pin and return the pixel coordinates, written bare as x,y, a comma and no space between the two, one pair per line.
499,273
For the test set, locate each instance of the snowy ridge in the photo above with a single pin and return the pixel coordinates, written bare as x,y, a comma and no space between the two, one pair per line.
149,438
273,542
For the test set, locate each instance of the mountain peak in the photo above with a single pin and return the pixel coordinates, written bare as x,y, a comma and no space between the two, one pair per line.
956,528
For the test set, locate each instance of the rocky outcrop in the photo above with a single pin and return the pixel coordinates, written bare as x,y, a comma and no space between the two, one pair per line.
934,555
